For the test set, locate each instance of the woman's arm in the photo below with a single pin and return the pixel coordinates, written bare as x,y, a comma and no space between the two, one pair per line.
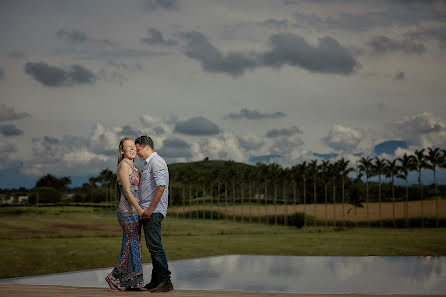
123,173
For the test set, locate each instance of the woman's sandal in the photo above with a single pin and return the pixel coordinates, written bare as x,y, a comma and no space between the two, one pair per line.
111,285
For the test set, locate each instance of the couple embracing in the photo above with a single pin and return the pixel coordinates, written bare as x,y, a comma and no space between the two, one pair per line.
143,201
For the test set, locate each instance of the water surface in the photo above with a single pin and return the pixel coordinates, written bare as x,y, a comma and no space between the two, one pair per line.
372,275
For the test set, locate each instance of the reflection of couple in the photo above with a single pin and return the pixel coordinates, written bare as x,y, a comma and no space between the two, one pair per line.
143,200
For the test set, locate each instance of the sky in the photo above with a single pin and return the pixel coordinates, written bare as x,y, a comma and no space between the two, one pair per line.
242,80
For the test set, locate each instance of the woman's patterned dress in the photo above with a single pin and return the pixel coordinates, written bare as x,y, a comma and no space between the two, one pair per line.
128,272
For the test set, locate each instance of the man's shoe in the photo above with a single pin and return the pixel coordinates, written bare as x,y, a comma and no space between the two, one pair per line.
162,287
150,286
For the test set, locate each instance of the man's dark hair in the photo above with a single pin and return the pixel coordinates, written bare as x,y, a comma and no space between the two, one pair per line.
144,140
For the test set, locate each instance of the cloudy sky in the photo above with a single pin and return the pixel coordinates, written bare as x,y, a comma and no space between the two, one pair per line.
242,80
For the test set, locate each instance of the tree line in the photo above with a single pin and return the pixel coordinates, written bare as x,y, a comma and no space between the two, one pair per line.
305,183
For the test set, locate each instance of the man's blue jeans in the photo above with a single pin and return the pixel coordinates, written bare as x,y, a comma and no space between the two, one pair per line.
152,234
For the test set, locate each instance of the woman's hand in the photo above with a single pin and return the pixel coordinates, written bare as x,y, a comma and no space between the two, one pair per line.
140,212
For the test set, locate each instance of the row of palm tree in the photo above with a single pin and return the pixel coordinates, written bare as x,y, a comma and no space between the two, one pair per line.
400,168
328,173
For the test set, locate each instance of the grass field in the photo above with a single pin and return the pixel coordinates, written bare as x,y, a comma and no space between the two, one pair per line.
59,239
322,211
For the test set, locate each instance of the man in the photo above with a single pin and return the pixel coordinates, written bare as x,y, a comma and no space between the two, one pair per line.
153,188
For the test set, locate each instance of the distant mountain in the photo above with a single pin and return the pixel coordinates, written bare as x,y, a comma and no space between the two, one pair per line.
389,147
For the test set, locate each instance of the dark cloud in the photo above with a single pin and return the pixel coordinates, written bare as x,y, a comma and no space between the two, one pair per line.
251,143
400,76
152,5
7,148
97,54
328,57
52,76
2,73
7,113
10,130
111,76
286,49
438,34
175,148
197,126
383,44
125,66
292,131
156,38
276,24
128,131
212,60
378,14
254,115
76,36
16,55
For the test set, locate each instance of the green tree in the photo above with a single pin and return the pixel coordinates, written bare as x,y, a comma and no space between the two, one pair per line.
419,160
333,172
263,177
313,168
304,170
405,167
286,178
274,172
324,170
60,184
344,171
391,170
435,160
378,169
365,167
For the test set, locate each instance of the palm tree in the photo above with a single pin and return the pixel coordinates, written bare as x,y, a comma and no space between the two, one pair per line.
435,159
406,165
295,177
325,176
344,172
286,178
419,159
303,169
251,179
333,172
213,178
378,169
263,176
275,172
365,168
313,168
391,170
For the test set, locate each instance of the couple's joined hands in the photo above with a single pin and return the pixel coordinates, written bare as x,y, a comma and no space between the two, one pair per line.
145,214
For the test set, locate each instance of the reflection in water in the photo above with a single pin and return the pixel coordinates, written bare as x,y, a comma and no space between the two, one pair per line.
373,275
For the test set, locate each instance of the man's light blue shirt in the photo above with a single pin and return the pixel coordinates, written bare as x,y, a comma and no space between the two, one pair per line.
154,174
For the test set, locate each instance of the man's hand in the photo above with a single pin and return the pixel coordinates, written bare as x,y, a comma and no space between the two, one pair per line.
147,214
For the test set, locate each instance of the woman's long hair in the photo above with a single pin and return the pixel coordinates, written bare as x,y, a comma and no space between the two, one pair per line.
120,157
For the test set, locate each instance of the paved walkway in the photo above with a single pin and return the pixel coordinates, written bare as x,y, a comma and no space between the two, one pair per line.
14,290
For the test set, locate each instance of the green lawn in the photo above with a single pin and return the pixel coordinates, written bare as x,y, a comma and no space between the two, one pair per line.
61,239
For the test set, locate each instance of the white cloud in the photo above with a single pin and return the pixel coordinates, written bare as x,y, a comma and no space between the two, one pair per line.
342,138
421,130
225,146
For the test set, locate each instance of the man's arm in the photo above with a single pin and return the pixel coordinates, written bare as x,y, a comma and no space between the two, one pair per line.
156,198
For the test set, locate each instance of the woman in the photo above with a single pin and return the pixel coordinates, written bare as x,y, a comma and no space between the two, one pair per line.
128,272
